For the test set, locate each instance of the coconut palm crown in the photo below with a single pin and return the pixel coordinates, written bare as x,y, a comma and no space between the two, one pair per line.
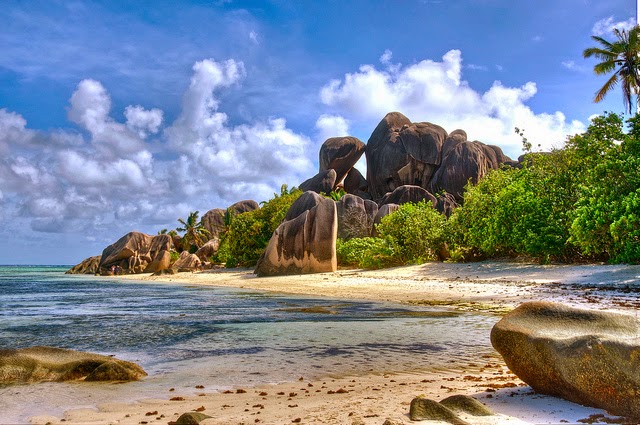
195,232
621,58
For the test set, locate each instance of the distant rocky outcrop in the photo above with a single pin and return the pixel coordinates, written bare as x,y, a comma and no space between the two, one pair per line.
87,266
133,252
340,154
305,244
588,357
37,364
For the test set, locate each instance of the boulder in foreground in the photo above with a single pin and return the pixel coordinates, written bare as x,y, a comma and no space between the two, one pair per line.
37,364
588,357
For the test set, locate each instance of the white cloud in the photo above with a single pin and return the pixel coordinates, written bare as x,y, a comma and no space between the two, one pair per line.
572,65
90,107
253,36
385,59
13,130
500,68
142,121
435,92
329,126
261,153
477,67
537,38
605,27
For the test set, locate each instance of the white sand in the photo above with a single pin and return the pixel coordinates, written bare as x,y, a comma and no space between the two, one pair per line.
487,286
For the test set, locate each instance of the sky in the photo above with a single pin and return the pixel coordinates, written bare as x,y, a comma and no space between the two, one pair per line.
118,116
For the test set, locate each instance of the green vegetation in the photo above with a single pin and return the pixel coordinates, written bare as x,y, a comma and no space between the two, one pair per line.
622,57
195,234
578,203
248,233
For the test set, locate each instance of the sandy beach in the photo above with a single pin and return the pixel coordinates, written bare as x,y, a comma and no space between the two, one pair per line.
491,287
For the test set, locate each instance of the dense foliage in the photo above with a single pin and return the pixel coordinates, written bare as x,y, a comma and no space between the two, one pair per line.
248,233
577,203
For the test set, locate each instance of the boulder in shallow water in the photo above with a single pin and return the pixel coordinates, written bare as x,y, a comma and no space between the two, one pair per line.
36,364
588,357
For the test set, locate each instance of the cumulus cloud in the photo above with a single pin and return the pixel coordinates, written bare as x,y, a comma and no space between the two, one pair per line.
572,66
105,180
263,153
142,121
328,126
605,27
436,92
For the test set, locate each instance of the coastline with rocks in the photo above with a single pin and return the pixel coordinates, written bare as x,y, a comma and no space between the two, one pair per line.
493,288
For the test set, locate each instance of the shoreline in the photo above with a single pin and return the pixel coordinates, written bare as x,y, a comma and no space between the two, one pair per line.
487,287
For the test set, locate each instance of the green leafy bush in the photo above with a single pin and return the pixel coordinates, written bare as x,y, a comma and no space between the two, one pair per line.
366,253
607,214
249,232
416,232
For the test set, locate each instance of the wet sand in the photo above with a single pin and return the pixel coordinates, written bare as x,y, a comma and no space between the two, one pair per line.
493,287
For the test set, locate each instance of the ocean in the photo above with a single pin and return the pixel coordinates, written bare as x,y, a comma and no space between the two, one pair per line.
221,338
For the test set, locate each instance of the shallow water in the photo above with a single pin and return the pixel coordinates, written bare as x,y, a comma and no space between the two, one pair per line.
185,336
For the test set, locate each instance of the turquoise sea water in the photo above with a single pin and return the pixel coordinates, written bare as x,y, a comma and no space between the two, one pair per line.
218,337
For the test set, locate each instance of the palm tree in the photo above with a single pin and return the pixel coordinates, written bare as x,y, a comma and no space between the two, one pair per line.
195,234
622,57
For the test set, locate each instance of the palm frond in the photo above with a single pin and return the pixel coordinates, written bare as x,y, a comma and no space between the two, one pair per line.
610,84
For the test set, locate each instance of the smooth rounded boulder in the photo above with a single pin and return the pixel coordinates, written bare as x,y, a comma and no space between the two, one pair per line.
89,265
323,182
37,364
584,356
340,154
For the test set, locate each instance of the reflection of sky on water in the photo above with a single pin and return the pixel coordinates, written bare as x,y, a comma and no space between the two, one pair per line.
187,335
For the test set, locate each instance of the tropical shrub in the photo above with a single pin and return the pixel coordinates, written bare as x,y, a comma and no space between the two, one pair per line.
366,253
249,232
607,215
415,231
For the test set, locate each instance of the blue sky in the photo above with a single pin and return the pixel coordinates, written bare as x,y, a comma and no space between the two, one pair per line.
119,116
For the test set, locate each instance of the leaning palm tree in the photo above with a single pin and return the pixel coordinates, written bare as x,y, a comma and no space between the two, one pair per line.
621,58
195,234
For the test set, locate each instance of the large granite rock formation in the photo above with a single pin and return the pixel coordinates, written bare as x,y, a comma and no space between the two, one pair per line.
133,252
162,261
588,357
355,217
38,364
323,182
305,202
400,152
187,262
340,154
462,161
87,266
356,184
206,251
305,244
